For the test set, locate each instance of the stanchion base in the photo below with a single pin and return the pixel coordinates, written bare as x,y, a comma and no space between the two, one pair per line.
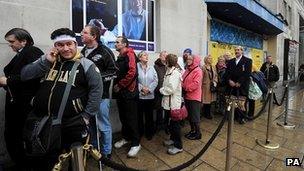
286,125
269,145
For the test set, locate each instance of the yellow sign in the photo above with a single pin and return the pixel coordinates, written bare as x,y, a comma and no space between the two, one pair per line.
216,50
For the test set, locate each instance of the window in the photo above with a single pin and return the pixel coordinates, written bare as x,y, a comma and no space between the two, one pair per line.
133,19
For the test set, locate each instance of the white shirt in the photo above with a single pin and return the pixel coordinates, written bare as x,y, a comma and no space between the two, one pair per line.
88,51
237,60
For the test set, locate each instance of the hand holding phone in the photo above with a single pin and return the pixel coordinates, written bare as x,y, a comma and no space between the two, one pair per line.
52,55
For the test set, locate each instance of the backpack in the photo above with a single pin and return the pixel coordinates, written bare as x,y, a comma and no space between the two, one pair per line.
259,78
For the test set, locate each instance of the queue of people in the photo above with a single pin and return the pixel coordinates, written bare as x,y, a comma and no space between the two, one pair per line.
35,84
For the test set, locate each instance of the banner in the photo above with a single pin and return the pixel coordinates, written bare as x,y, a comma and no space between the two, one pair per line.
216,50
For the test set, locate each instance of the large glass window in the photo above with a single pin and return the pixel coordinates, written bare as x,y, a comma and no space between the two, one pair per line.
133,19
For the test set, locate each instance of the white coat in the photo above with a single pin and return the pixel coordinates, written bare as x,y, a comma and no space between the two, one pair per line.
172,87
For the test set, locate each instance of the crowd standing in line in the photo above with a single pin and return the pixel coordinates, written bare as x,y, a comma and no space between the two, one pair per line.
140,91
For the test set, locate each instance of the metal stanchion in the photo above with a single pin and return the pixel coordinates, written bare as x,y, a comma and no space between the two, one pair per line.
302,108
231,108
77,157
285,124
98,142
267,143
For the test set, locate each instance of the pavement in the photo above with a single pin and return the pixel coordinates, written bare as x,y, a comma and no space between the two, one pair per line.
247,154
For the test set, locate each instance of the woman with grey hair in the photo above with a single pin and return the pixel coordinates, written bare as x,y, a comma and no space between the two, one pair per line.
147,82
209,84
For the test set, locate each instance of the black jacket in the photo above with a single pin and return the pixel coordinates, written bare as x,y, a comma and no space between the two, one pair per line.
18,97
104,59
18,90
271,72
85,94
239,73
160,69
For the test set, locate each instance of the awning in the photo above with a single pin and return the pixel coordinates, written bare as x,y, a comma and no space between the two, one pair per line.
248,14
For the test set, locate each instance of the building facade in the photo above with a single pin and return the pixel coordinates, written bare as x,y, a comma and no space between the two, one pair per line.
292,12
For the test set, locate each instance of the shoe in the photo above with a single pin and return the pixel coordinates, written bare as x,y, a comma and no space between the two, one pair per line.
168,142
195,136
120,143
189,133
134,150
173,150
241,121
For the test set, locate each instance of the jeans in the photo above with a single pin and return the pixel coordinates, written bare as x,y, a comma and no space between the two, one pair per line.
104,126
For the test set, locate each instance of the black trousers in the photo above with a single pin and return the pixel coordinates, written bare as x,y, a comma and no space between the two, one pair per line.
175,132
251,107
15,115
127,109
160,120
145,117
207,109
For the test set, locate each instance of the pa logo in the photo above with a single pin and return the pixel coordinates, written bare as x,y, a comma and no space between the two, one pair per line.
294,161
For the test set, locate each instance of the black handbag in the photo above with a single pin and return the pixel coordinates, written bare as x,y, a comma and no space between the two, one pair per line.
42,134
213,88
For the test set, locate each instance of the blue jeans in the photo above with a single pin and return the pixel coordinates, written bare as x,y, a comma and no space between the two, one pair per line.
104,126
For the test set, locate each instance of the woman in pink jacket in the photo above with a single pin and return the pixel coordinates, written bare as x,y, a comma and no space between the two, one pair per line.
192,88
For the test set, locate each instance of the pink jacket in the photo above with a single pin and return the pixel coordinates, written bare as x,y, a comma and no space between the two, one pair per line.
192,84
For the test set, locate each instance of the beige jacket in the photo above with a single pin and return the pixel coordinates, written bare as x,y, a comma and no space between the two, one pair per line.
207,96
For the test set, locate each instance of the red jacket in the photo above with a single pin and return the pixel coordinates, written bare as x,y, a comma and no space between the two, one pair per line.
126,75
192,84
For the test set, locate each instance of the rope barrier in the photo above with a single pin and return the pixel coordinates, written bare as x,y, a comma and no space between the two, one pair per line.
275,101
259,113
117,166
214,135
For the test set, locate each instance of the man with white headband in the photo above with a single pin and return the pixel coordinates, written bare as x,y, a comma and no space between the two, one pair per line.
84,97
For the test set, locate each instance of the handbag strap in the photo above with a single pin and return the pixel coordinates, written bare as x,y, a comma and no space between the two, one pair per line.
189,73
66,94
210,71
170,102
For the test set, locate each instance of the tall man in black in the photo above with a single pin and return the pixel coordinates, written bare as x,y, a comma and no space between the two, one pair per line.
104,59
18,93
238,77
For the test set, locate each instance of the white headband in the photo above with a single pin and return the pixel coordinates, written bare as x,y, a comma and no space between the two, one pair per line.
64,38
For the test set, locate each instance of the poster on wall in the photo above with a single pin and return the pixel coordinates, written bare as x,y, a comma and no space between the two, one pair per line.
133,19
293,46
216,50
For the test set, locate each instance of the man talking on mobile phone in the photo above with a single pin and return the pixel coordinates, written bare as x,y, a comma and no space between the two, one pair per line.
83,99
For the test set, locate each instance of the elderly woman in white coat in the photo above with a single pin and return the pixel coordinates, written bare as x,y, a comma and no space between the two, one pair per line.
172,99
